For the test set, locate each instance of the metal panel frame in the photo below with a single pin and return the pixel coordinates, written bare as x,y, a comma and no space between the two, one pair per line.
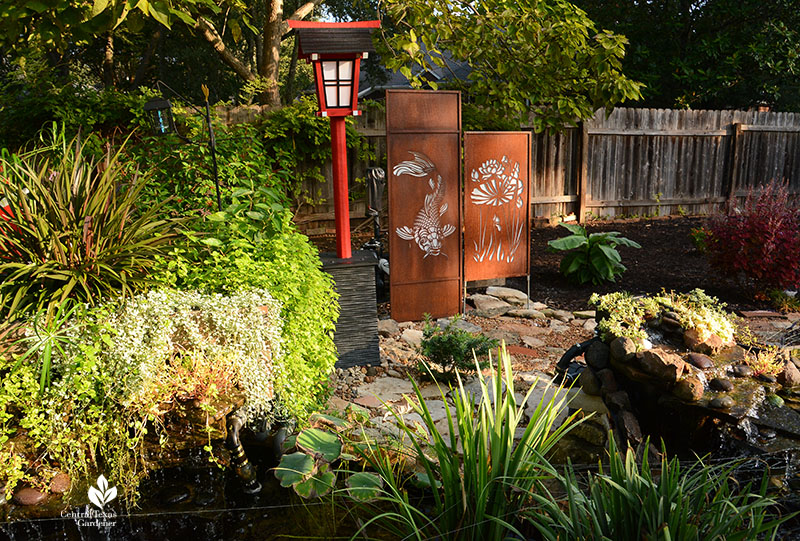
424,192
501,165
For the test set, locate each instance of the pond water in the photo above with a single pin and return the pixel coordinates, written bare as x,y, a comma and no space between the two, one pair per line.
191,503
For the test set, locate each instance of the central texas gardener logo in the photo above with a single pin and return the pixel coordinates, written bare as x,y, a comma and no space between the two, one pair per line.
102,494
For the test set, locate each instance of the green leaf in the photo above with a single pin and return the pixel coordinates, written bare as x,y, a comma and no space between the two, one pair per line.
423,480
610,253
322,420
364,486
219,216
211,241
98,7
323,445
575,229
568,243
294,468
236,30
289,443
255,215
317,485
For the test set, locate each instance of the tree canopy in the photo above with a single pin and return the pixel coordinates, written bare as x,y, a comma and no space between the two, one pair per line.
709,54
540,56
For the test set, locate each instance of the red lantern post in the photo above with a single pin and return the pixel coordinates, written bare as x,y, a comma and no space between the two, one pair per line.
336,50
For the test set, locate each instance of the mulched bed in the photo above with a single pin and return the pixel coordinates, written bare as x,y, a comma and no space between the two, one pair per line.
667,260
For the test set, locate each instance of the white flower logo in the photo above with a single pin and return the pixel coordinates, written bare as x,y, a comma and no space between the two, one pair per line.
103,494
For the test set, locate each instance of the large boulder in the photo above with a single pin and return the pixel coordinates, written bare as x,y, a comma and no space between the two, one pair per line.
708,345
689,389
597,355
623,349
666,366
790,377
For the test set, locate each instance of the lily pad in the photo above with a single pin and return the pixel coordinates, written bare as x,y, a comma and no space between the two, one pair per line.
317,485
321,420
422,480
321,444
289,443
294,468
364,486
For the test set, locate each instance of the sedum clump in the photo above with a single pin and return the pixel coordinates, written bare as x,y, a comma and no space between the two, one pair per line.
626,315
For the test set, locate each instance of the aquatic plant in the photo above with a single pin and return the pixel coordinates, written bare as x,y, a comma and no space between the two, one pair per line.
630,501
478,480
626,315
765,361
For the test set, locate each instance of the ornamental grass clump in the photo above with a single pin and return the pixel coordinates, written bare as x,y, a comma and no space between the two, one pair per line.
478,480
630,501
73,229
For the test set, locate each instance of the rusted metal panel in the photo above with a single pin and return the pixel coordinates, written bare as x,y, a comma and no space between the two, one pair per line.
423,111
424,210
496,195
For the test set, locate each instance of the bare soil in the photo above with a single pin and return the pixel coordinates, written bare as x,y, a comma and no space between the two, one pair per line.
667,260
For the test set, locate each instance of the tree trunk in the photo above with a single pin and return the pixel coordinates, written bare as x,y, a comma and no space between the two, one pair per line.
141,69
272,53
210,34
108,61
288,89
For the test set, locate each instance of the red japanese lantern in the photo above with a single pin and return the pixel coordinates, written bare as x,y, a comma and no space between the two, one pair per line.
336,50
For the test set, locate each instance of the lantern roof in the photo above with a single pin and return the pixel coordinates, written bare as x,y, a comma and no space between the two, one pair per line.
334,38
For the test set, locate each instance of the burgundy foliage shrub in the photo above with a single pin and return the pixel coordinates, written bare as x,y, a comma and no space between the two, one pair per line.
760,240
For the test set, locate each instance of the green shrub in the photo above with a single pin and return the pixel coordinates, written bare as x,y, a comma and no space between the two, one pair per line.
481,492
74,230
253,244
33,94
632,502
591,257
452,349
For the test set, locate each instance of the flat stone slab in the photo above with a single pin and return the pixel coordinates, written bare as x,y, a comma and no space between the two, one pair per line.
513,296
387,389
488,306
337,404
584,314
527,313
368,401
532,341
519,350
544,392
762,313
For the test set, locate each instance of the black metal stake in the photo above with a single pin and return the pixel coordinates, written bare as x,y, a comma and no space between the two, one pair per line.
212,145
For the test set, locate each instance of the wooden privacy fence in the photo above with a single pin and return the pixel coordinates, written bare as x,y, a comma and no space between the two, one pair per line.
636,162
662,161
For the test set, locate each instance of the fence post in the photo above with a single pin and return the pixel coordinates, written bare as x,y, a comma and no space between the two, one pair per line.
733,176
583,172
